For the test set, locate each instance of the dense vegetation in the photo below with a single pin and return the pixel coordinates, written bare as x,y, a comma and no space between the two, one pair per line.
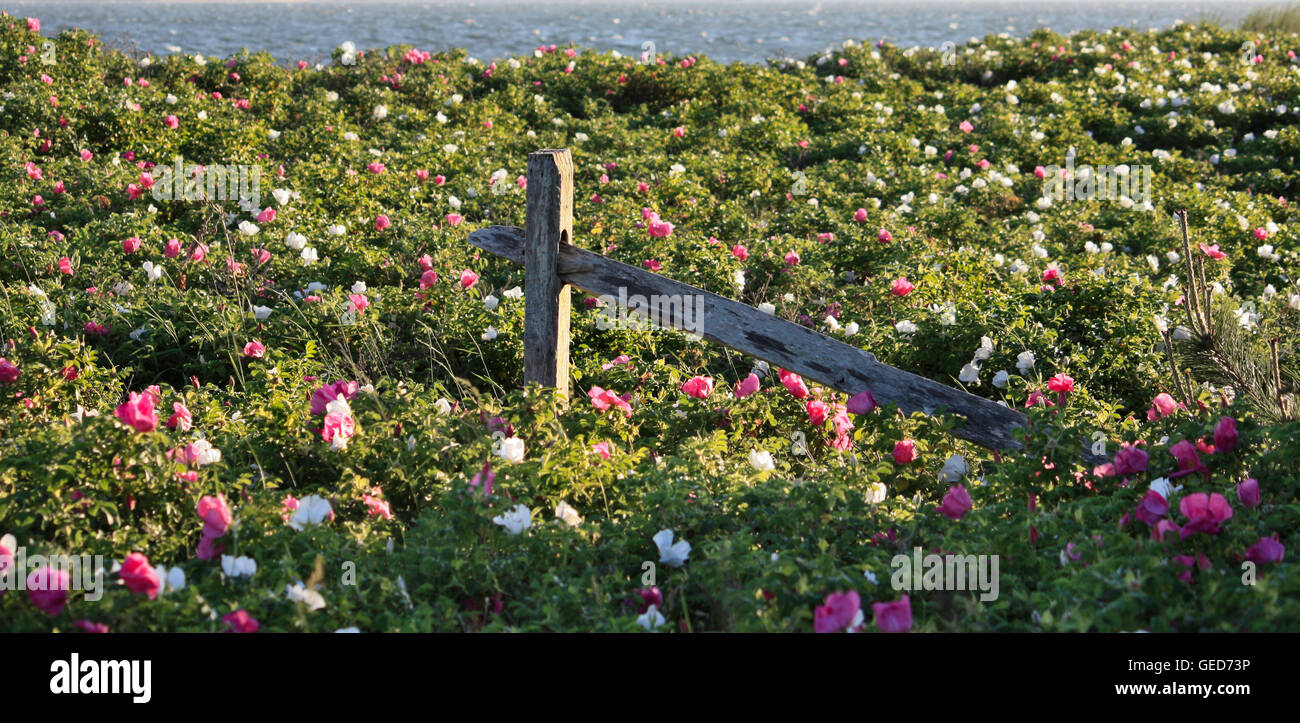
327,384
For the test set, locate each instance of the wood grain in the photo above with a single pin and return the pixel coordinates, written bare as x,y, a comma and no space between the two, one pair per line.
549,226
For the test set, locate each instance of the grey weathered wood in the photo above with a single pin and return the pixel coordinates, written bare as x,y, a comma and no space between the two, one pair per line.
777,341
548,227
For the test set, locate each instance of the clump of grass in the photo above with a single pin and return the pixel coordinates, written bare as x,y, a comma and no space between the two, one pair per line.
1280,19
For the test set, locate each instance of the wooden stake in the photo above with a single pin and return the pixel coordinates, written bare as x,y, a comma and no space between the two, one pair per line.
549,224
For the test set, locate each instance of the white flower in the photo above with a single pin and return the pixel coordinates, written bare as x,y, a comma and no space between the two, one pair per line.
905,327
298,593
331,96
954,468
248,228
851,328
1025,361
353,629
151,271
514,293
512,449
443,406
281,195
1000,379
1166,490
985,349
309,256
651,619
565,512
337,229
761,460
970,374
490,302
671,554
261,312
204,453
767,308
295,241
312,510
238,566
380,112
489,334
169,578
515,521
876,492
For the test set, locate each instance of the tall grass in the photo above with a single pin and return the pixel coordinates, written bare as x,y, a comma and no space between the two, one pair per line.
1273,19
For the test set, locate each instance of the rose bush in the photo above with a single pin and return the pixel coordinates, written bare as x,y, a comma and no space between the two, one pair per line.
305,413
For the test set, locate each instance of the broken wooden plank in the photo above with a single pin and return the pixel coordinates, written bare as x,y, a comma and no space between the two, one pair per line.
549,222
775,340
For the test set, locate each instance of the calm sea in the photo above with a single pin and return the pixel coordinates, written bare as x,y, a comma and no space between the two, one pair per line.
726,30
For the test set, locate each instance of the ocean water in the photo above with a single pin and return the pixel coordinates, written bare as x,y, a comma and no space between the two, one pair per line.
725,30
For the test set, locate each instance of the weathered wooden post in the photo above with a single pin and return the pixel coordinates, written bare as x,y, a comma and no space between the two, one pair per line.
548,225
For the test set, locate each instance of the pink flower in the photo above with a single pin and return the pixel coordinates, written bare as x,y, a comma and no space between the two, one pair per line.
139,576
659,229
9,371
338,426
679,131
901,287
794,383
468,279
173,249
817,411
1268,549
454,219
1225,434
893,617
241,622
905,451
65,265
377,507
1248,492
86,155
860,215
740,252
267,215
199,253
603,399
254,350
862,402
956,503
377,168
1188,460
616,361
884,236
1152,508
1204,513
1130,460
1261,233
172,122
484,477
382,222
698,387
838,613
90,626
328,393
428,278
47,588
1213,252
359,302
181,420
34,25
1162,406
215,514
137,412
601,448
966,126
747,386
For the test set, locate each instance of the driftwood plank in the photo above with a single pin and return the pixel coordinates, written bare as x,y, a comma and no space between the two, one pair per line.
546,306
777,341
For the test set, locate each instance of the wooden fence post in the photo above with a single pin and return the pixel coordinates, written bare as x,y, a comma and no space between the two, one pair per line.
548,224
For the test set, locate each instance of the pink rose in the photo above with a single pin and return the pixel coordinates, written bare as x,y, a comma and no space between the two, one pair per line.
382,222
47,588
137,412
956,503
838,613
1225,434
328,393
794,383
901,287
1268,549
139,576
905,451
131,245
254,350
1130,460
468,279
818,411
893,617
747,387
241,622
698,387
1248,492
862,402
215,514
1152,508
1204,513
9,371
